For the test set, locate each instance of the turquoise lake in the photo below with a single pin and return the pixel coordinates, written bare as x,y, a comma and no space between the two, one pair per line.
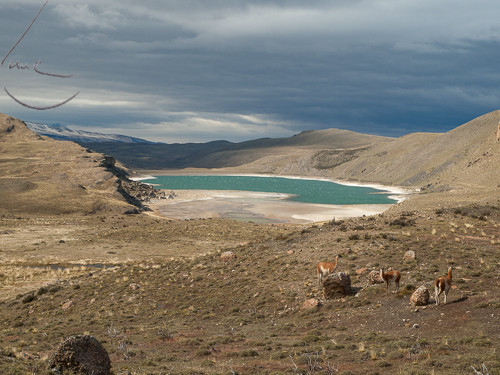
308,191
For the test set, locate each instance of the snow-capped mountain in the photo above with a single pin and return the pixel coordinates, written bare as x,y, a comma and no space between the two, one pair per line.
66,134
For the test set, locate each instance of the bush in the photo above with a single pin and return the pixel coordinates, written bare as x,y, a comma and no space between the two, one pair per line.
29,298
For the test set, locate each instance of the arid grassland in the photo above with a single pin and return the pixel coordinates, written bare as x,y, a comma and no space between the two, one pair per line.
203,315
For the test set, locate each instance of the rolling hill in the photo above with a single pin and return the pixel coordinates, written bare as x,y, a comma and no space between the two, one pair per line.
44,176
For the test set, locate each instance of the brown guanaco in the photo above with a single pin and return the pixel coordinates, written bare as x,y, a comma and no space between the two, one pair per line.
390,276
326,268
442,284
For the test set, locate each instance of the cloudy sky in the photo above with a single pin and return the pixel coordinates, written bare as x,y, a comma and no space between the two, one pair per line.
200,70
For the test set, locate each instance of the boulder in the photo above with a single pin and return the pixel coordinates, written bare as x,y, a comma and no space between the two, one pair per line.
420,297
409,256
374,277
81,355
337,285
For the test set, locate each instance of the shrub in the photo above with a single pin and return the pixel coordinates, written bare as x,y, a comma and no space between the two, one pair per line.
29,298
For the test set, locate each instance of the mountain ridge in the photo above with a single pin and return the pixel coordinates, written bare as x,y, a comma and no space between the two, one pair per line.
65,133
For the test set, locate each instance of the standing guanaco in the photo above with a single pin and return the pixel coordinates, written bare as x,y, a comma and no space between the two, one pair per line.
442,284
390,276
326,268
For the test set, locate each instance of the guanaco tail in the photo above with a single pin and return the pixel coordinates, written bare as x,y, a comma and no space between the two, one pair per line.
390,276
326,268
442,284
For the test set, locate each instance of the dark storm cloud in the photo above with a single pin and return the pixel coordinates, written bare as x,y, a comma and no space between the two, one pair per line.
201,70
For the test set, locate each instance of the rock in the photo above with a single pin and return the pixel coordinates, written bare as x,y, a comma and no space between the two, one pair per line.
310,304
227,256
67,305
337,285
409,256
81,355
134,286
361,271
420,297
374,277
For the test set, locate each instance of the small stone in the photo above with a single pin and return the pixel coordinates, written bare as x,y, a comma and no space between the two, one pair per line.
227,256
416,326
409,256
310,304
361,271
67,305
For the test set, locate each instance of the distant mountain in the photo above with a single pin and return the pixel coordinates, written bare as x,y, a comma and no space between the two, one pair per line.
64,133
272,152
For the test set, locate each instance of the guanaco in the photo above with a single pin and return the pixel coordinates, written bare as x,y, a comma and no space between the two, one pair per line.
390,276
326,268
442,284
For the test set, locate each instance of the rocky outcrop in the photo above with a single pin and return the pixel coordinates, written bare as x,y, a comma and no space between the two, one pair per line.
139,192
81,355
134,192
337,285
420,297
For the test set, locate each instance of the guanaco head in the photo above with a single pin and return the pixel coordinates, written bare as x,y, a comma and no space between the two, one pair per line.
449,272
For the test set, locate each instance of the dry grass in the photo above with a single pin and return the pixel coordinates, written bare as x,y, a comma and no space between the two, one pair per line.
202,315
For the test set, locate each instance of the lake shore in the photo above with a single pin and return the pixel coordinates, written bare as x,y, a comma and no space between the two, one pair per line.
261,207
255,207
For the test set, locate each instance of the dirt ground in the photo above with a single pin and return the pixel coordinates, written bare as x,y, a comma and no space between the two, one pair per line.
158,295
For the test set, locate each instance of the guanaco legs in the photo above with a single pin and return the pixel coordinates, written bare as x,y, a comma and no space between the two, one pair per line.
326,268
390,276
442,284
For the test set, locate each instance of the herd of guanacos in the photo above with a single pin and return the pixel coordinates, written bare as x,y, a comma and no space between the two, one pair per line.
441,284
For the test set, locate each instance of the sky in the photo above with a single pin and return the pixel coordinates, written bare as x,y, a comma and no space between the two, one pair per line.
180,71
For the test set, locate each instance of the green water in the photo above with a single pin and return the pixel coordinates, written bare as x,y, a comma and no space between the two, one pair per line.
308,191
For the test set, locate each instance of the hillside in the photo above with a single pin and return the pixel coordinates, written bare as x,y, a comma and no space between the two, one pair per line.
171,304
223,154
43,176
465,156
